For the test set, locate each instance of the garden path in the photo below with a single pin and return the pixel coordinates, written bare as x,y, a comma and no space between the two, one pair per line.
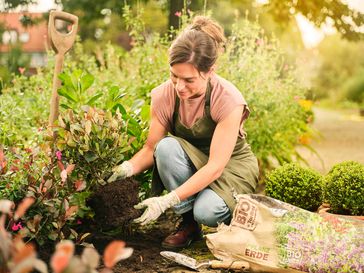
340,138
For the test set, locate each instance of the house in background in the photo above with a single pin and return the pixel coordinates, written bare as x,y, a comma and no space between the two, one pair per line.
32,39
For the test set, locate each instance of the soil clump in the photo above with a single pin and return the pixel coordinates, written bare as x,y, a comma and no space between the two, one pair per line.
114,203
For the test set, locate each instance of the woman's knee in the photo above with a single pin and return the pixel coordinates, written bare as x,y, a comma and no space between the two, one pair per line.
210,212
166,147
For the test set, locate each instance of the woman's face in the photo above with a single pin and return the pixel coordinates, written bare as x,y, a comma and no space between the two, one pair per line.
188,81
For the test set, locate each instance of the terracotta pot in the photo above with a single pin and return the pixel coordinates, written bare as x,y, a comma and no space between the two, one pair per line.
361,112
325,209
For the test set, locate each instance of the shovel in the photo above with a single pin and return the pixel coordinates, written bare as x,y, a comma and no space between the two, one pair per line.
215,264
61,44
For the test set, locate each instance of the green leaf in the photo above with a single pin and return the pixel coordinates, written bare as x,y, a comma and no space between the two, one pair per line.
65,106
67,93
75,78
86,82
120,107
53,236
90,156
145,113
67,81
93,99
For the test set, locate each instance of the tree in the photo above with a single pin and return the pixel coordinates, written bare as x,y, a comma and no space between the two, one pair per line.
345,20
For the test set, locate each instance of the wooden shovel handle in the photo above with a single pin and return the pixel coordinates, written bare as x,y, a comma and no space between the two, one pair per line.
62,42
233,265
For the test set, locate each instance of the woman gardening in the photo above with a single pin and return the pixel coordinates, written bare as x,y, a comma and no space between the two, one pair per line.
196,140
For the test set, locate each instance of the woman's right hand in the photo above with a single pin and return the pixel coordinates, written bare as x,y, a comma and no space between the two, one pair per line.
121,171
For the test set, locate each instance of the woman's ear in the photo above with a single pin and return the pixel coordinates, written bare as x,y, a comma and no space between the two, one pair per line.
212,69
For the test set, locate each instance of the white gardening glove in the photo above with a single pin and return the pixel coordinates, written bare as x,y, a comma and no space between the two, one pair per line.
121,171
155,206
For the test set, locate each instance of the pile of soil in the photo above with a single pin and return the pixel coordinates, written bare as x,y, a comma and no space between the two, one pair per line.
113,204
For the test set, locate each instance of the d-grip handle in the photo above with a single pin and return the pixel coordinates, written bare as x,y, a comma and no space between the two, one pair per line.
62,42
234,265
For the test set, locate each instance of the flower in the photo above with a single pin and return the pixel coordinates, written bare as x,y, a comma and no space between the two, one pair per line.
59,155
16,226
259,42
178,14
21,70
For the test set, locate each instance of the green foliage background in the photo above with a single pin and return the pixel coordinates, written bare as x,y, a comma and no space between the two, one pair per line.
118,81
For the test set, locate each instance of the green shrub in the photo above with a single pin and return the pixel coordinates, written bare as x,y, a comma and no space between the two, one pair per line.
94,140
354,88
344,188
296,185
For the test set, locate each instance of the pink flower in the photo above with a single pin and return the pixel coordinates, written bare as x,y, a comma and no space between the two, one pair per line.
178,14
259,42
79,222
59,155
21,70
16,227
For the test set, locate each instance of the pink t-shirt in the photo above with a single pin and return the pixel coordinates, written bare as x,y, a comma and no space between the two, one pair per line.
224,98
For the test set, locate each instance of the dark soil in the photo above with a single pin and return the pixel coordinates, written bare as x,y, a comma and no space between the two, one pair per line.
113,204
146,243
114,212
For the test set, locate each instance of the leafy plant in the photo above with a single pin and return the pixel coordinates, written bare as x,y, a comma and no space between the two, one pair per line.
95,141
344,188
296,185
17,256
59,194
73,88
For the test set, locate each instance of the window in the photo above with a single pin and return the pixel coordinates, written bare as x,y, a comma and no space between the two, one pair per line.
10,37
24,37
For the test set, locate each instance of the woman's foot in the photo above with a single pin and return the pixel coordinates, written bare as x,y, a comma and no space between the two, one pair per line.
186,233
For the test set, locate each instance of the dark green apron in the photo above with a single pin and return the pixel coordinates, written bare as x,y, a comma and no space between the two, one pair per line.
241,172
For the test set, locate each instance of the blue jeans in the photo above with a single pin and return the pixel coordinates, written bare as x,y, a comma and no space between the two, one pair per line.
175,168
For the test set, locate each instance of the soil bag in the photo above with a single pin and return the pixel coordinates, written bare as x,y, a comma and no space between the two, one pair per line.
272,233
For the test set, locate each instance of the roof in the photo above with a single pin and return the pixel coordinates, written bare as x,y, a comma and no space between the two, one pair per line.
38,33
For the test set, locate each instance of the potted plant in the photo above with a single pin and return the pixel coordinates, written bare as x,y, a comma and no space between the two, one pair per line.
294,184
344,189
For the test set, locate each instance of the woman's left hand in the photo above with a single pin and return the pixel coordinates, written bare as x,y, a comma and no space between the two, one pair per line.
155,206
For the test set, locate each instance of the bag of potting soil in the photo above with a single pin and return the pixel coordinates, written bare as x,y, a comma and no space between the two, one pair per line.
272,233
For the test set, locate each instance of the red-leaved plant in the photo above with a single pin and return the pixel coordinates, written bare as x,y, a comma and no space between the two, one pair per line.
18,256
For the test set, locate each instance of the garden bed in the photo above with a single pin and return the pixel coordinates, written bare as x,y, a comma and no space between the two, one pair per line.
114,212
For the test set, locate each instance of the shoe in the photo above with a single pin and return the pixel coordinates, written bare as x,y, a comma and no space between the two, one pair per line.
186,233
